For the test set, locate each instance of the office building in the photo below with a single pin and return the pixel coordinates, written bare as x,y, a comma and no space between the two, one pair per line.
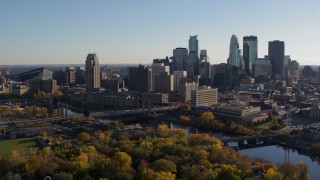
179,59
185,91
262,67
61,77
70,73
286,65
204,73
80,75
92,73
179,78
234,52
191,62
240,113
294,68
42,85
203,55
250,52
204,97
225,76
113,85
193,45
158,68
140,78
276,54
163,82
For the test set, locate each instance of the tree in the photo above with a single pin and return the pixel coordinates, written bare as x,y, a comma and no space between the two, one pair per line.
184,118
229,172
84,137
206,117
43,134
289,171
101,136
58,94
122,160
203,139
165,176
164,165
62,176
303,172
272,174
163,130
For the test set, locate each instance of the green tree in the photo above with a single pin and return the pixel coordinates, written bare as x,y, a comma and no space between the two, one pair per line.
164,165
62,176
122,160
229,172
84,137
289,171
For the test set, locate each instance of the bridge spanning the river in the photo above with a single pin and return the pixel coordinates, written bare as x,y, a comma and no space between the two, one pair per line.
249,138
130,111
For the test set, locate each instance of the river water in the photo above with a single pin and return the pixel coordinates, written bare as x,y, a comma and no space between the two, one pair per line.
277,155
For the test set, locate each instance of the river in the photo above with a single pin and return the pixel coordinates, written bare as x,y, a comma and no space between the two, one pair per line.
277,155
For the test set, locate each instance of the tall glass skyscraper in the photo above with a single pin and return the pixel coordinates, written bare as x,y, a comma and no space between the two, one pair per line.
276,54
250,52
193,45
179,59
235,52
192,60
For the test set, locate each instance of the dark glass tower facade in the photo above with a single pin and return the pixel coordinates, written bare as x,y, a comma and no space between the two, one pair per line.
250,52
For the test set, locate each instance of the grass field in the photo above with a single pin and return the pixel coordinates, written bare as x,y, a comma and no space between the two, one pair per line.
266,125
22,144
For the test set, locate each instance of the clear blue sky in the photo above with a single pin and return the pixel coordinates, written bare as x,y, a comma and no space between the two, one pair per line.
127,31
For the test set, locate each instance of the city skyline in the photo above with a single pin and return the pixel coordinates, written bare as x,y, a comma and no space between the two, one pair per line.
37,32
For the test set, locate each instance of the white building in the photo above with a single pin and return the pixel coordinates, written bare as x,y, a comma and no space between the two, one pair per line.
204,96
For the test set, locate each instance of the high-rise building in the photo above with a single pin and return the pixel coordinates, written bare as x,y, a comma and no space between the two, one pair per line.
225,76
92,73
185,91
80,75
164,82
203,55
158,68
193,45
179,78
191,63
276,54
70,75
286,65
262,67
179,59
234,52
140,78
250,52
294,68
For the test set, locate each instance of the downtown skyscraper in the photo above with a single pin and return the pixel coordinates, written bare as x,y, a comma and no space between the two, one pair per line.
193,45
250,52
92,77
234,52
193,57
276,52
179,59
